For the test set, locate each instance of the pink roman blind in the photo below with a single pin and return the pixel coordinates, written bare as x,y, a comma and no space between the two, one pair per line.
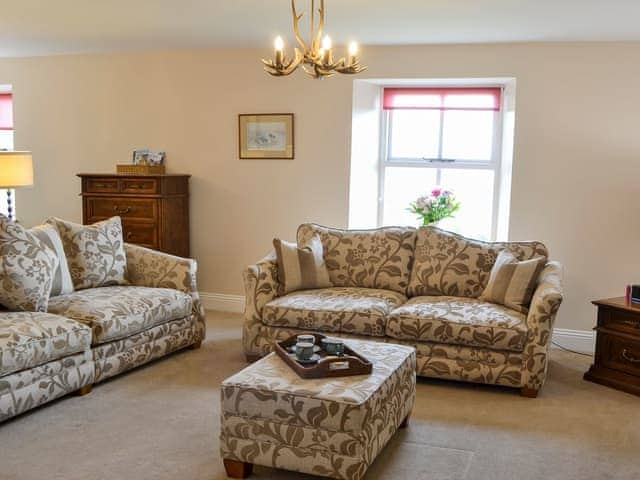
442,99
6,111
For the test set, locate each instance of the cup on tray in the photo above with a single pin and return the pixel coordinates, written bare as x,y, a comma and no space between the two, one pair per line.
304,350
333,346
306,338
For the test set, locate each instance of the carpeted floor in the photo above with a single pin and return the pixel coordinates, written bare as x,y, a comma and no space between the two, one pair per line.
161,422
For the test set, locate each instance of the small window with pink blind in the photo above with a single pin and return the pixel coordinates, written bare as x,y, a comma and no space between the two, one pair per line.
6,135
6,121
446,137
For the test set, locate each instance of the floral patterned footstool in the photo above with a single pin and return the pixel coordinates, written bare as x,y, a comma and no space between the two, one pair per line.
334,427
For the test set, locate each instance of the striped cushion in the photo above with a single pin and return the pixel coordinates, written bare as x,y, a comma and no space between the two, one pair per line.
511,282
300,268
62,283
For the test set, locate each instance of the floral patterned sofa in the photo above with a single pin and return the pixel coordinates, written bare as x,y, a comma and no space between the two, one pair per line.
414,287
90,335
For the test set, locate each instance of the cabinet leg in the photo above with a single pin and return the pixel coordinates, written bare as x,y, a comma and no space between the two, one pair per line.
237,469
528,392
195,346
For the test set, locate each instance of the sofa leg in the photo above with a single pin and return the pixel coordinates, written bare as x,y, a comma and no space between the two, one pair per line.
528,392
252,357
237,469
195,346
86,390
405,422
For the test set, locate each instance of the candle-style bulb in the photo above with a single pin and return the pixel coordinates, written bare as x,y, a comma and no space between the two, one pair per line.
279,43
353,49
326,43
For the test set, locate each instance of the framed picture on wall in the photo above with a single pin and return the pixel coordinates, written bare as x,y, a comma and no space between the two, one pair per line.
266,136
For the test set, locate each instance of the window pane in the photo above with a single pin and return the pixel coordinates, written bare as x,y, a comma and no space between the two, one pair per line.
474,191
467,135
6,139
414,133
402,185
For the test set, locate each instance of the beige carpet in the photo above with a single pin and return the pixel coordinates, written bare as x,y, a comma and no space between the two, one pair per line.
161,422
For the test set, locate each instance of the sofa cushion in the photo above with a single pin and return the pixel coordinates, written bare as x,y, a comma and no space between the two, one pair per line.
512,282
95,253
118,312
300,268
458,321
62,282
379,258
27,268
338,309
29,339
449,264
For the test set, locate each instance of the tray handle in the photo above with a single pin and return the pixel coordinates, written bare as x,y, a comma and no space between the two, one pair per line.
335,363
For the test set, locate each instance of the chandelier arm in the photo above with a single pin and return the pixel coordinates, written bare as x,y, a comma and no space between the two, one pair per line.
296,26
318,39
313,24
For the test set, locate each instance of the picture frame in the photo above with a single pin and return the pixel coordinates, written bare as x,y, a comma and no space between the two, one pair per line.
266,136
147,157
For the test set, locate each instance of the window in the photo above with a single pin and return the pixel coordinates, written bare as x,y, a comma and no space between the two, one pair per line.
447,137
6,136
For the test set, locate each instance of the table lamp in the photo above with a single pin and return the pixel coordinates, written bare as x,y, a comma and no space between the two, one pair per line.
16,170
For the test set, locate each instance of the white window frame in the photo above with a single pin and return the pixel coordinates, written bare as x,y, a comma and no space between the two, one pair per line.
494,164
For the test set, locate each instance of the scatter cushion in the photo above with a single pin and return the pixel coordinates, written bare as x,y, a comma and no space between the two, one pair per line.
27,268
449,264
512,283
458,321
119,312
62,282
29,339
95,253
338,309
300,268
380,258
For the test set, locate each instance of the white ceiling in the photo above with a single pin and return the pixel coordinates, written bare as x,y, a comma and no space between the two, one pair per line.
41,27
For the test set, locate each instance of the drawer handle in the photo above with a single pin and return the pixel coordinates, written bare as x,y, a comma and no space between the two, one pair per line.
102,185
121,212
136,186
129,235
628,357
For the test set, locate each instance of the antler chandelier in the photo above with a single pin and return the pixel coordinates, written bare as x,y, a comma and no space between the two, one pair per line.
316,57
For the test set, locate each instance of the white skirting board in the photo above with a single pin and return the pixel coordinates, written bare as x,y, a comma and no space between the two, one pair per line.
578,340
222,302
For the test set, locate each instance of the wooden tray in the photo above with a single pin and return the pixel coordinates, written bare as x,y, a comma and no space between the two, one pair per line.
351,363
140,169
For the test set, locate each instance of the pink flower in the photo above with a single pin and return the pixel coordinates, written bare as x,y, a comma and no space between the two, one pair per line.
436,192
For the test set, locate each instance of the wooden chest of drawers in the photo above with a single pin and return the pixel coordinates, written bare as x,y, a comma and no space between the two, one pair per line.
617,359
154,208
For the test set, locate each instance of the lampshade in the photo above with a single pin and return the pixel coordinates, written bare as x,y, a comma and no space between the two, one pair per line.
16,169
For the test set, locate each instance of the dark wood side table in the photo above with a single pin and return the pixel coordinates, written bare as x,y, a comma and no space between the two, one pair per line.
617,359
154,208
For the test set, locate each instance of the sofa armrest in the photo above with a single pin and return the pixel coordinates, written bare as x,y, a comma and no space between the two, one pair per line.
150,268
542,313
260,286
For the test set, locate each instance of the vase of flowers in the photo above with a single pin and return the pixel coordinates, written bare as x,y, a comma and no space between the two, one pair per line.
437,205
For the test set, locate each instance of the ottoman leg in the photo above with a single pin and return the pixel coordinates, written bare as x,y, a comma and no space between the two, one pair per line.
237,469
405,422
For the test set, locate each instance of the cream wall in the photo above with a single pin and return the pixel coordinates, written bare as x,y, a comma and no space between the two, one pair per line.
575,172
